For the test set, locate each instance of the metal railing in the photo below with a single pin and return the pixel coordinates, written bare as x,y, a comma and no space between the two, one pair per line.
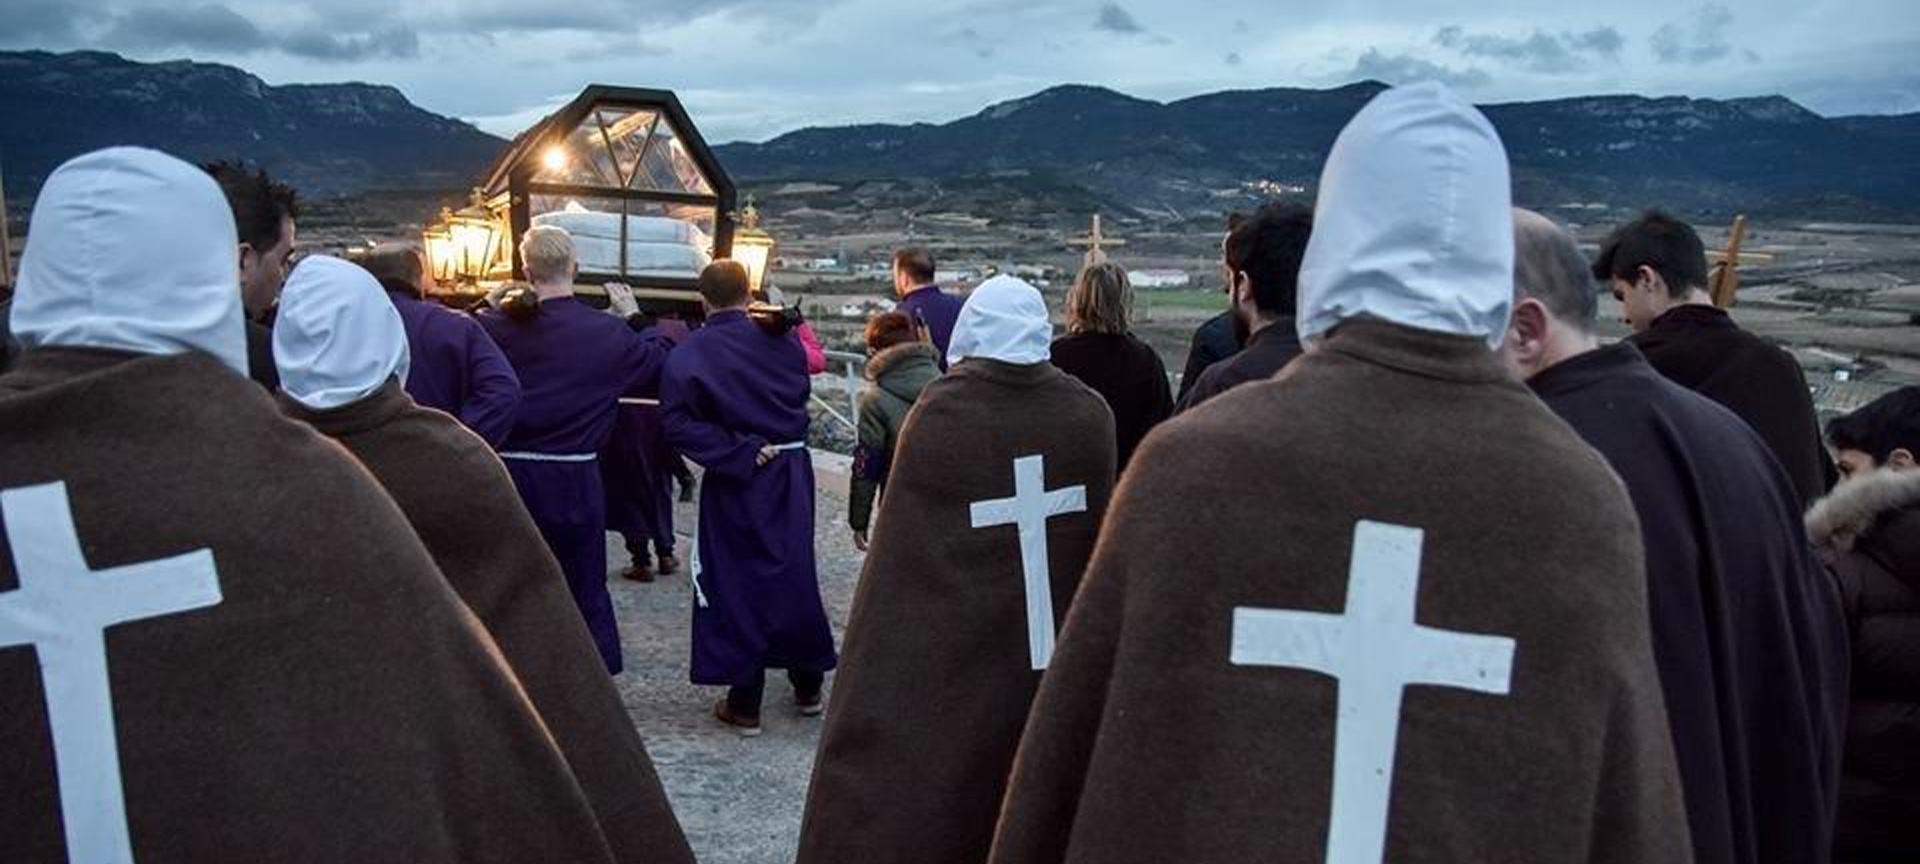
851,366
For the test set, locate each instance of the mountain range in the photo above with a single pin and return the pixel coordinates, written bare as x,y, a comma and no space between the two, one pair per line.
1765,155
325,139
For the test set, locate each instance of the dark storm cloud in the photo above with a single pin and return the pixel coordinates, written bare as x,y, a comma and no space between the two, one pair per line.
1404,69
33,22
1701,41
1116,19
401,42
205,27
1552,54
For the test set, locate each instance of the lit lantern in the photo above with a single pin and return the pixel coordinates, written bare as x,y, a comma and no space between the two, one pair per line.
474,237
752,247
437,242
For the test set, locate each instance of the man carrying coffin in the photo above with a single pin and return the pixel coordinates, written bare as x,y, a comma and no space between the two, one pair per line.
342,352
1417,633
455,366
1747,630
734,399
1000,480
219,639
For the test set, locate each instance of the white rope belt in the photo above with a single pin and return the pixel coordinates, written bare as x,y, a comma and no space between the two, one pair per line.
693,572
520,456
634,400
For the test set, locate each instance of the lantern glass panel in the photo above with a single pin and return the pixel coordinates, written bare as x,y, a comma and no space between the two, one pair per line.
668,167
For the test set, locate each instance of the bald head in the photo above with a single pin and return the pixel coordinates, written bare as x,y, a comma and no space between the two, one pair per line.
1548,267
398,266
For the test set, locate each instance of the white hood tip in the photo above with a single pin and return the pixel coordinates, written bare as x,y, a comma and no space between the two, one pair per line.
1414,222
134,250
337,339
1005,319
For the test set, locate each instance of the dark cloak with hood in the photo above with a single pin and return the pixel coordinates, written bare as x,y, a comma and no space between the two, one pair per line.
1701,348
463,505
1747,628
937,671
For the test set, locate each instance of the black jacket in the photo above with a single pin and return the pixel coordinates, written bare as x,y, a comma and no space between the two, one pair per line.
1213,341
1270,349
1869,532
1125,372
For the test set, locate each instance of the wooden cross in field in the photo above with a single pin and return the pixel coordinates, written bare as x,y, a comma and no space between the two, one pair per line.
1096,242
1723,279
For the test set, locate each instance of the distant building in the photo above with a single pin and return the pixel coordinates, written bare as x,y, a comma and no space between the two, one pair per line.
866,308
1151,279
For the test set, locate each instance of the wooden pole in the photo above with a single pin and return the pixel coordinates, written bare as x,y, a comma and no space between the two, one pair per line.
1723,282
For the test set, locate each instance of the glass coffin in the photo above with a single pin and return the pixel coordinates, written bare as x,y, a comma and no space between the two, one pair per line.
627,174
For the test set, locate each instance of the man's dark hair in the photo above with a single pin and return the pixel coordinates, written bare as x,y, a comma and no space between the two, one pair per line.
1889,423
1268,246
917,263
257,201
889,329
724,284
1656,240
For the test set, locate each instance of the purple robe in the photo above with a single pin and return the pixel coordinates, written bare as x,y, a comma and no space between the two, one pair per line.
456,368
728,391
636,469
574,365
928,306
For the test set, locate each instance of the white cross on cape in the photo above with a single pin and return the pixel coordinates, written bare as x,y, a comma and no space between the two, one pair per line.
1374,650
1030,508
63,609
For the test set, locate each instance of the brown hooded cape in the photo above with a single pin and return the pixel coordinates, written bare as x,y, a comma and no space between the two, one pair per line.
1148,744
460,500
339,703
935,674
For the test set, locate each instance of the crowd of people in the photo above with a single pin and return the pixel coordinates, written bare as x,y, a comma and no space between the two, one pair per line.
1411,565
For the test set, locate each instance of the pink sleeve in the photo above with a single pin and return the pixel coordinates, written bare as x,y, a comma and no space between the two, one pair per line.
816,356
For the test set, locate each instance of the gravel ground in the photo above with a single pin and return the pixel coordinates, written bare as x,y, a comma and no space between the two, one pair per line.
739,799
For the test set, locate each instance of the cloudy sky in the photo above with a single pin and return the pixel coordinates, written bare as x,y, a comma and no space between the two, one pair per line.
751,69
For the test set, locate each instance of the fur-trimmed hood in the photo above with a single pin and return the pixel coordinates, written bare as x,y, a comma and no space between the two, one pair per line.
904,370
1852,510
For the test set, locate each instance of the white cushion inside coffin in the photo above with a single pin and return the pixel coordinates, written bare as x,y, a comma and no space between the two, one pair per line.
656,245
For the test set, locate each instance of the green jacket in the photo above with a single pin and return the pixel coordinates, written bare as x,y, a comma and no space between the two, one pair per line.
898,375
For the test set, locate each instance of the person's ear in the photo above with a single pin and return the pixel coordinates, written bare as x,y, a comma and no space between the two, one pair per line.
1901,459
1529,331
1648,279
246,249
1242,287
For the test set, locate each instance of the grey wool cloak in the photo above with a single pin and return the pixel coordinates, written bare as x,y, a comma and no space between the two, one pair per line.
321,696
1395,477
460,500
937,667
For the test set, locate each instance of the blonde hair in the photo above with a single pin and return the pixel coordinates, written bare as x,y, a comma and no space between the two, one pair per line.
1101,300
546,251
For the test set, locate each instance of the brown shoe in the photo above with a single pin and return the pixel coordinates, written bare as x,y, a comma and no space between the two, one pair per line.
748,727
667,566
638,572
809,704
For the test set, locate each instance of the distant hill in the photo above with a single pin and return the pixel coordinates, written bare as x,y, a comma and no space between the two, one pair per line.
1764,155
325,139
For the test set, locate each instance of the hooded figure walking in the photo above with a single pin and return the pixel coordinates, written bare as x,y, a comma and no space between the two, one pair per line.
342,353
219,638
1418,630
1000,481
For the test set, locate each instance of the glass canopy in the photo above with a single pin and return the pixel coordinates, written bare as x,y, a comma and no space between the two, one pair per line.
627,174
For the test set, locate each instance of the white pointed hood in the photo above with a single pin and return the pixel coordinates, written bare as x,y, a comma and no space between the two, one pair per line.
337,339
1004,319
134,250
1414,223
